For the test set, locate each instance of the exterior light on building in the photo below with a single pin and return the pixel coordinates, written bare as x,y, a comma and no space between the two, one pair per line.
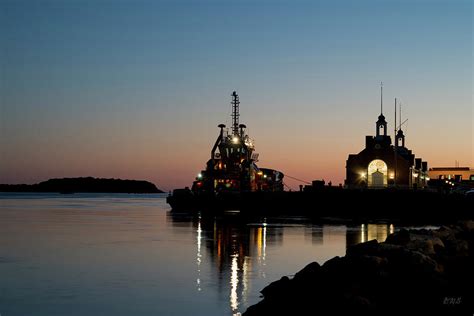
415,175
265,176
392,175
427,178
362,175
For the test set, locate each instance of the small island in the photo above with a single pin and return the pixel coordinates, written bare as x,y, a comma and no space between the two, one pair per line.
84,185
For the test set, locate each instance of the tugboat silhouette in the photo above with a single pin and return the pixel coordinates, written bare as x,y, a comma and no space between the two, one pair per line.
230,172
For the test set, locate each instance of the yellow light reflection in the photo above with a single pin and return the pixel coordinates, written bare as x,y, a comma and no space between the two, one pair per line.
259,242
199,256
379,232
264,243
245,276
234,280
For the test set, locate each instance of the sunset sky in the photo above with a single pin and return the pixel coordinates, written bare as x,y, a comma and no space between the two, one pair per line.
136,89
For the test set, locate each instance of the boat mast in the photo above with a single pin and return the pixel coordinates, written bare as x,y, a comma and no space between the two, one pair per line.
235,113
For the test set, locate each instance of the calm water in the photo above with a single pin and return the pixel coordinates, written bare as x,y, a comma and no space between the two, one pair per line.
92,254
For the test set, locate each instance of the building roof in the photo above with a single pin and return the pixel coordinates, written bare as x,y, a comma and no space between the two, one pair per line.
450,169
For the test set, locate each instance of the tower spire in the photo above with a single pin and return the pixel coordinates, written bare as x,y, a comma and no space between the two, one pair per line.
381,98
235,113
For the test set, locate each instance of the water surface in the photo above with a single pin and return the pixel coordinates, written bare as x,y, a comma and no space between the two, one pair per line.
122,254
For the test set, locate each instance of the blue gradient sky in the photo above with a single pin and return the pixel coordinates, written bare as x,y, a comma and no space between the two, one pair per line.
135,89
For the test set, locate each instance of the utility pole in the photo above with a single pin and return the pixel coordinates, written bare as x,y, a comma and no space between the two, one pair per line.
395,147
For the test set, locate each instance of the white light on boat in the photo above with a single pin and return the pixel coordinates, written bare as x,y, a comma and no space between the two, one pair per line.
199,175
235,140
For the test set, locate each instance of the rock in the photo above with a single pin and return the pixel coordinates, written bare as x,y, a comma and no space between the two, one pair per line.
276,289
366,248
308,273
400,238
444,233
420,240
457,247
461,248
333,263
366,269
438,244
468,225
372,262
412,271
425,244
360,302
389,249
422,262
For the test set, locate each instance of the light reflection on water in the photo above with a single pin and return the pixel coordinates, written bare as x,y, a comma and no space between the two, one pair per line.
242,248
128,255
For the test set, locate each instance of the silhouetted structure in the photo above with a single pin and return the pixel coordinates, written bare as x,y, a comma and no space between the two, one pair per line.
232,165
453,174
381,164
87,184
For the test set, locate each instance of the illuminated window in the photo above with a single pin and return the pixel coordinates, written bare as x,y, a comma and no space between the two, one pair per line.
377,173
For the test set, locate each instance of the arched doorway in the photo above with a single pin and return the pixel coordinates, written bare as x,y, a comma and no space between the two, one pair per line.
377,173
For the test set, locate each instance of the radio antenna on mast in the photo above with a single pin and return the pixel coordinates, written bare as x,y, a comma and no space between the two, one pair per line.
235,113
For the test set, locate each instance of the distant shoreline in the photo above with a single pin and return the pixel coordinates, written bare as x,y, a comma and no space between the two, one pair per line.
83,185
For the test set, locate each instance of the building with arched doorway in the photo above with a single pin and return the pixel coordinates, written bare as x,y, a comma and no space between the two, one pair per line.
381,164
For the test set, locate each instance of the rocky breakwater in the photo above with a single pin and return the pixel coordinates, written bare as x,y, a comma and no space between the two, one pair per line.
426,272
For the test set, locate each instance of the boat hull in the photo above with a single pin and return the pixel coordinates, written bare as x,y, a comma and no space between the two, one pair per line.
335,202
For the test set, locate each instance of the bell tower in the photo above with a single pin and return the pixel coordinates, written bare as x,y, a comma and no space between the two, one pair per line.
381,126
400,141
400,137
